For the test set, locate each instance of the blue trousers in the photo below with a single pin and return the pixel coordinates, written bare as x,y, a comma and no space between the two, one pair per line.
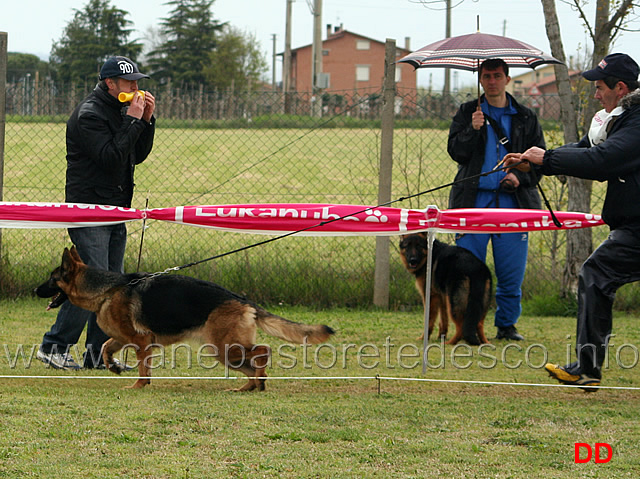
509,256
510,259
101,247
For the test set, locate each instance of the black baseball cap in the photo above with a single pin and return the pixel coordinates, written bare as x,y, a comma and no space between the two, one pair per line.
617,65
121,67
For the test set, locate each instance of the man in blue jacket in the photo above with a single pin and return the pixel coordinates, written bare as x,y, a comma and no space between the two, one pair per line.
480,135
609,152
105,140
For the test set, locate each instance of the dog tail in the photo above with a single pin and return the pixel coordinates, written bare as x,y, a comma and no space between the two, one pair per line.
286,330
479,297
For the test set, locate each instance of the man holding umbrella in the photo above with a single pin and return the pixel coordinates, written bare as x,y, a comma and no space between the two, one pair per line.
483,131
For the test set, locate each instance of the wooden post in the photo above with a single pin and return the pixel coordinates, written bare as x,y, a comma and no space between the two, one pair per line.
381,285
3,110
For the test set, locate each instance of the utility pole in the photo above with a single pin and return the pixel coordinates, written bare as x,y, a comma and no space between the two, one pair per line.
286,61
316,53
273,61
447,71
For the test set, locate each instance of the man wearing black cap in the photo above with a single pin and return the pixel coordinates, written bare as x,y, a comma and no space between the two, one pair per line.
609,152
105,140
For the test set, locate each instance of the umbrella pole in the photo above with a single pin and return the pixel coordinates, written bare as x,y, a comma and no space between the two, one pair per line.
478,70
478,60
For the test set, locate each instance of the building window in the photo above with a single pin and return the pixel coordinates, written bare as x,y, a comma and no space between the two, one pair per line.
362,72
363,44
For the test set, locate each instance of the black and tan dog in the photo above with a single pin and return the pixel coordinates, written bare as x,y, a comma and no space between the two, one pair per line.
460,286
142,310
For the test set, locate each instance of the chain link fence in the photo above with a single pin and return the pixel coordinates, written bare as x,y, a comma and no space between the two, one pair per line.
260,147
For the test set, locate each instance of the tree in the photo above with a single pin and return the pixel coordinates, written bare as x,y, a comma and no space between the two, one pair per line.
237,60
95,33
190,32
20,65
606,27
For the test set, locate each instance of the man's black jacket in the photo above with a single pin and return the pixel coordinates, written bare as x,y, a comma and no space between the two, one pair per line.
467,146
616,160
103,147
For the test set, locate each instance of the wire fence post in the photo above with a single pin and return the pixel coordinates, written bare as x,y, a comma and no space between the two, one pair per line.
3,110
381,282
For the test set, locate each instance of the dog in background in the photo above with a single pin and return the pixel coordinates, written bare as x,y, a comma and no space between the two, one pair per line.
460,286
143,310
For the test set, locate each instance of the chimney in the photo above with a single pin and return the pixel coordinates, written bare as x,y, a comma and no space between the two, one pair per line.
328,30
407,43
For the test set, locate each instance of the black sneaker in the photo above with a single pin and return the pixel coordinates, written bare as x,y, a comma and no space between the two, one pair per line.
563,376
510,332
119,365
58,360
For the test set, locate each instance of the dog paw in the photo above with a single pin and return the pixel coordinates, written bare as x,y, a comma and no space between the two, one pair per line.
116,368
139,384
246,388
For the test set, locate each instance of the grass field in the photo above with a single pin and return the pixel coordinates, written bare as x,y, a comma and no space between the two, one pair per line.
223,166
455,424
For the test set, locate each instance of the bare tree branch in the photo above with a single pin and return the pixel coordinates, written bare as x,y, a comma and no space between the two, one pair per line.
577,6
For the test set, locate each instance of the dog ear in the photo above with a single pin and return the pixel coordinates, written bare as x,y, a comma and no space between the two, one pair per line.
67,264
75,255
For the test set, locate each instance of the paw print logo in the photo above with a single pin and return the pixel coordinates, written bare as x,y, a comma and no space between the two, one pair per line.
375,216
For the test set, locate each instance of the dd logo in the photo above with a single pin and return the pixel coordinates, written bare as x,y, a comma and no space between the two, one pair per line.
599,459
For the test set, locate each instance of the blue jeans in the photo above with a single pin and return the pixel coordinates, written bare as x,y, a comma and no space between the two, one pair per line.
101,247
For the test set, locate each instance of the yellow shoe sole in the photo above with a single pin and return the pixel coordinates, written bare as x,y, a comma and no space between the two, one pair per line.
559,373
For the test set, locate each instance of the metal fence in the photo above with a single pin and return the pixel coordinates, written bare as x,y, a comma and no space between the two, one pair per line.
259,147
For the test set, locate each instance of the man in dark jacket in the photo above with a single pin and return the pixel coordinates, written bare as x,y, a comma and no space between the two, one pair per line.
609,152
105,140
481,134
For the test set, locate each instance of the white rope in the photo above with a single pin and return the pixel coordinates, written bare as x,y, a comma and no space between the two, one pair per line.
324,378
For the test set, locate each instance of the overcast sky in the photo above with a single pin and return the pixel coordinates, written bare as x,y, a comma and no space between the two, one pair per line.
33,25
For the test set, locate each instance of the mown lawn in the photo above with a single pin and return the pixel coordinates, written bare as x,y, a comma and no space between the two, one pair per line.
225,166
345,423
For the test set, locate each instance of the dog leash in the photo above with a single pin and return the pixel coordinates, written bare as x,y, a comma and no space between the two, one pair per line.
323,223
503,139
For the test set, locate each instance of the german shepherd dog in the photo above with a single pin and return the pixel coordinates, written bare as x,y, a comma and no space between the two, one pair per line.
460,286
145,310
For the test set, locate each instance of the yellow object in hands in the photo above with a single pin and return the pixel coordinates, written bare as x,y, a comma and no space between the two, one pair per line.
125,97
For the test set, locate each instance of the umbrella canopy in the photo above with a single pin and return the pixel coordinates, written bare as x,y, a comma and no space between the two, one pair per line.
465,52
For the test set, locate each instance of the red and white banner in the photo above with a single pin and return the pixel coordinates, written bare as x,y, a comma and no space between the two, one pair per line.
505,220
311,219
63,215
305,219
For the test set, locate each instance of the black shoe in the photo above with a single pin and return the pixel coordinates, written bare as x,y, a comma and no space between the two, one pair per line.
510,332
118,365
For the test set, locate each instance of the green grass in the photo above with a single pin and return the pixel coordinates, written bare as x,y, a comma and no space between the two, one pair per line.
226,165
85,424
